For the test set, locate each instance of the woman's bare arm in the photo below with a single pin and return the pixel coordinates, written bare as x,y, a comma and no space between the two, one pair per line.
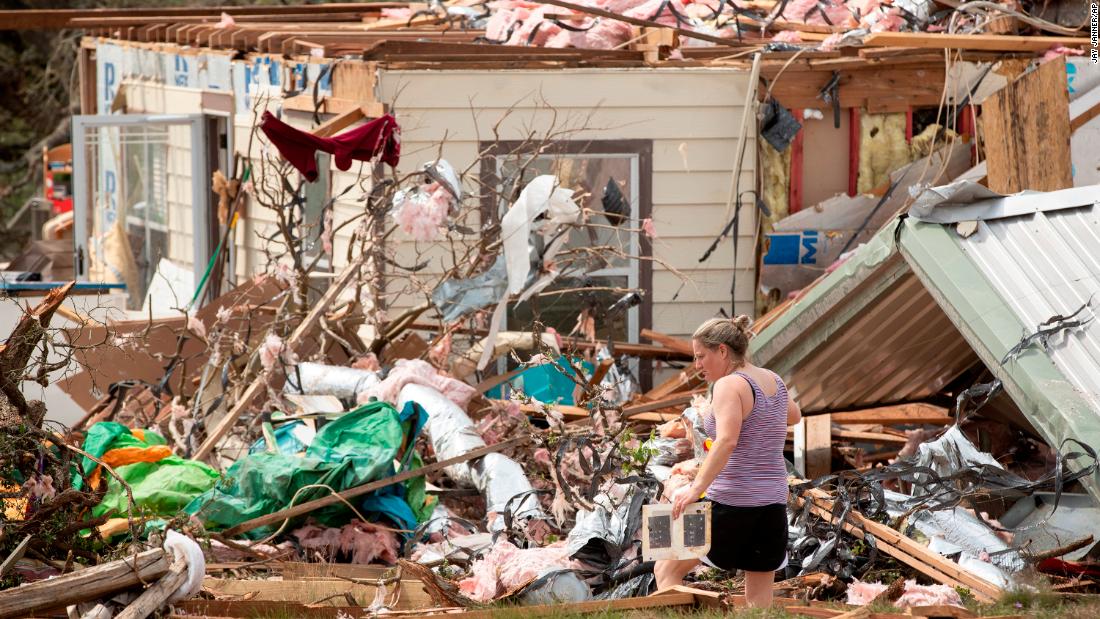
794,413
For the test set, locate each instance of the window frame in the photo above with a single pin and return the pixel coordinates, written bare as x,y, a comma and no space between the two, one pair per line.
495,151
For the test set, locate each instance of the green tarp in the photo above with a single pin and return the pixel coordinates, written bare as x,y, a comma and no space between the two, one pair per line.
358,447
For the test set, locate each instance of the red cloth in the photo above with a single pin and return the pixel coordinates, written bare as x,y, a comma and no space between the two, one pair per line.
379,136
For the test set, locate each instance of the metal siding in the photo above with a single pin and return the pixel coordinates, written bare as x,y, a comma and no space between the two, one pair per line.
861,366
1044,265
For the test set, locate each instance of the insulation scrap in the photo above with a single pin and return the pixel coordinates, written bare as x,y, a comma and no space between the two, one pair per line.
863,593
421,213
362,541
418,372
506,568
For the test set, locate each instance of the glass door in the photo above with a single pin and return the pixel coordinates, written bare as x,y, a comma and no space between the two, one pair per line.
142,204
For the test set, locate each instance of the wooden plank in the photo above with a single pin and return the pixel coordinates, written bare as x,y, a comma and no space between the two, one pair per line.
259,383
41,19
153,598
894,543
867,437
675,343
296,570
638,22
678,382
211,608
1083,109
82,585
313,590
915,414
1034,154
332,499
987,42
819,445
354,80
671,402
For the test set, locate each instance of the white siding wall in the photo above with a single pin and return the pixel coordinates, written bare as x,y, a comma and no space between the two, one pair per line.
692,116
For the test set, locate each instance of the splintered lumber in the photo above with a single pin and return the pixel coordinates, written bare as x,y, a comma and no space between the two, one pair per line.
671,402
1034,154
638,22
39,19
909,551
867,437
675,343
16,353
83,585
342,591
690,379
819,445
155,596
900,414
987,42
332,499
259,383
220,608
17,554
1062,550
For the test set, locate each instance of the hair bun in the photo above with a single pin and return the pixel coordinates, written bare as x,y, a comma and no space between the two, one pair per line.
742,322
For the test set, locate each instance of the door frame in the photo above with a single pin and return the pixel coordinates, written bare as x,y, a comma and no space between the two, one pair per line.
200,182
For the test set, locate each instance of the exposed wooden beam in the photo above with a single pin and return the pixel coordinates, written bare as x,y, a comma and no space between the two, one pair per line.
46,19
986,42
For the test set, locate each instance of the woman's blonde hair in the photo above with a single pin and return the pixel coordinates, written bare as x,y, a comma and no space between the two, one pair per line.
733,332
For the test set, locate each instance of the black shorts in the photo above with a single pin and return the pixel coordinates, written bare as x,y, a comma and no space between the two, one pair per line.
753,539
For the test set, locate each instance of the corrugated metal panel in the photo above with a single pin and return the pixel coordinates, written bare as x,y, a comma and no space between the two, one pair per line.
900,347
1044,265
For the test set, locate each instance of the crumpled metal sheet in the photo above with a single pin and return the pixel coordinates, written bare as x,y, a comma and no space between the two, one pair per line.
556,587
457,297
310,378
605,523
443,172
948,454
452,433
961,529
667,450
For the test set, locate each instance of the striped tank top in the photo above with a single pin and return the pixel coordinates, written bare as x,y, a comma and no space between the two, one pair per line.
756,473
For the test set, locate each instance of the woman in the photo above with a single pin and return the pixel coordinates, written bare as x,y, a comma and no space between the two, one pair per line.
744,474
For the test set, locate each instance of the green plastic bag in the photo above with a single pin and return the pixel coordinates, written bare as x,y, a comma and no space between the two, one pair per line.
163,488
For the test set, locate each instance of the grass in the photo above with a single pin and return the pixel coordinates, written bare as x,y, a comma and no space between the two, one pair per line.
1040,606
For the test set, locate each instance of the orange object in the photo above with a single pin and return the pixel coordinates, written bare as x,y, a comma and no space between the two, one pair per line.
129,455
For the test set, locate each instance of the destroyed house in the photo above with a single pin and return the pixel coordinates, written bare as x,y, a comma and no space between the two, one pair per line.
666,123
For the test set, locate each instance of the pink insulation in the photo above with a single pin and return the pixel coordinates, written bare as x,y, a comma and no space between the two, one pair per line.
672,429
506,568
362,541
419,372
683,473
928,595
863,593
809,11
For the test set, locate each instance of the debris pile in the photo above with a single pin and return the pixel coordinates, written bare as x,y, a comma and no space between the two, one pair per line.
396,414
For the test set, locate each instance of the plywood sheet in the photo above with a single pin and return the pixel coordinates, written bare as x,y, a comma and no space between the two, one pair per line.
1027,135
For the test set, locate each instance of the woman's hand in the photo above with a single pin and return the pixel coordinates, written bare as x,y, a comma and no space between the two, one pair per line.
682,498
